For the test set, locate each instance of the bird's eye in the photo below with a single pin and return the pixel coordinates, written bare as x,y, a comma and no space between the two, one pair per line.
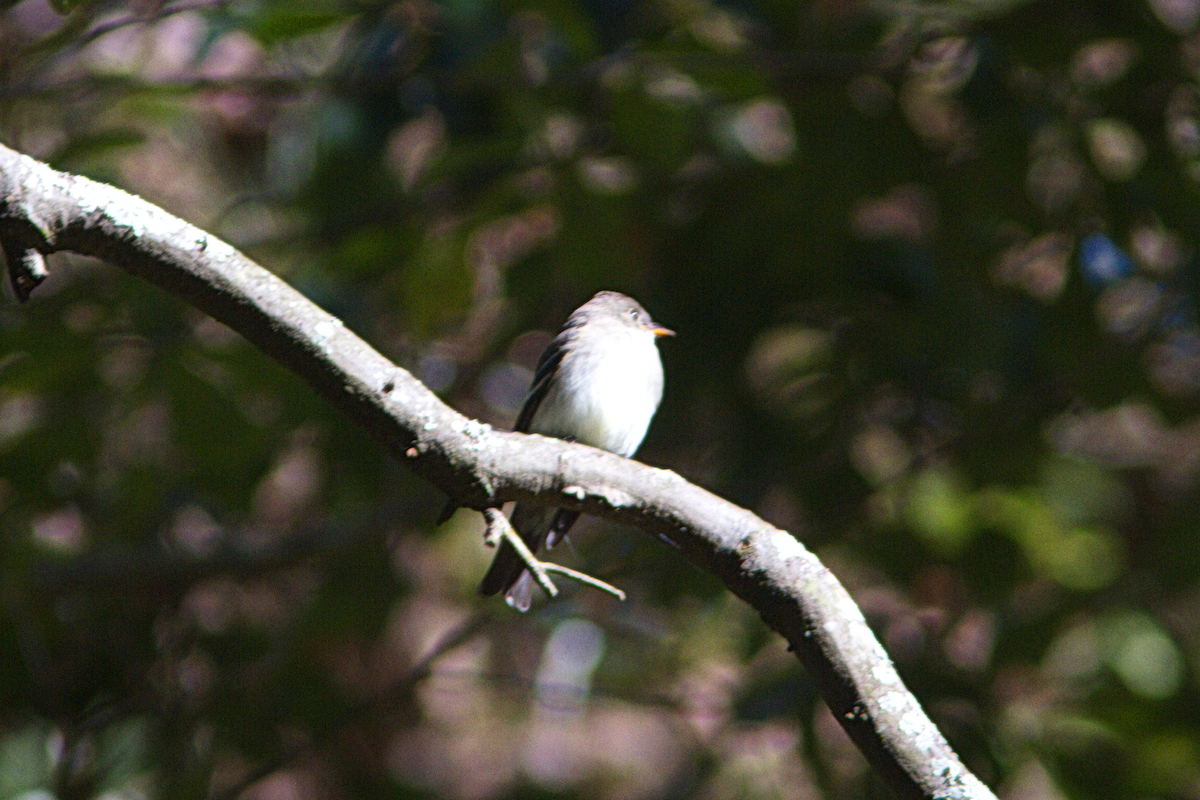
633,312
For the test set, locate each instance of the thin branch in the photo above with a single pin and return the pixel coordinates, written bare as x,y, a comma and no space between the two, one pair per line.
481,468
142,17
500,529
75,33
394,694
584,578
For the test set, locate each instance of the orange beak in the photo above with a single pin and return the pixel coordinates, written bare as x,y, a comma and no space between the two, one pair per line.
658,330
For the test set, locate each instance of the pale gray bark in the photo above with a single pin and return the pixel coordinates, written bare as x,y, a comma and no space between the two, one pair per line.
43,211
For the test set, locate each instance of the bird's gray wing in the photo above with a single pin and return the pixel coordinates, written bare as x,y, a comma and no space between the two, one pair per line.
537,526
543,376
547,364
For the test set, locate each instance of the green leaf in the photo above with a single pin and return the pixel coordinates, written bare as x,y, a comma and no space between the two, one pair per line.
288,22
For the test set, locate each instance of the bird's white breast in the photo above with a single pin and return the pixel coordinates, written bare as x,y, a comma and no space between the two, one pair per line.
605,397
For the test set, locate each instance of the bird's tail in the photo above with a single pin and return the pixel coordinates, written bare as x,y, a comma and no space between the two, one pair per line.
506,568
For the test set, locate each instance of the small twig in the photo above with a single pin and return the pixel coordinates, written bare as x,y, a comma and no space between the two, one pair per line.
500,529
583,578
146,18
421,670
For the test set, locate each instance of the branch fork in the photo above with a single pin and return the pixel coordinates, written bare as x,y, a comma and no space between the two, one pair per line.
500,529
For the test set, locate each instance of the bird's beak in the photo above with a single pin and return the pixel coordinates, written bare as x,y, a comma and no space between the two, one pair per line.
659,330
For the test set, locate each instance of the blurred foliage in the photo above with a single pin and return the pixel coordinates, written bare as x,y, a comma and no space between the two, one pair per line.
934,273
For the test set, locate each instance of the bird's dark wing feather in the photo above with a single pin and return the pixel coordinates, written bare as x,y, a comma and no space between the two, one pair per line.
537,526
543,376
559,526
547,364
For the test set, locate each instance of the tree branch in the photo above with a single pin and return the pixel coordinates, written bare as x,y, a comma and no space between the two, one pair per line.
768,568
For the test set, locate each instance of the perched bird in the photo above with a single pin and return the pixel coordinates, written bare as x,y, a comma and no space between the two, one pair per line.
598,383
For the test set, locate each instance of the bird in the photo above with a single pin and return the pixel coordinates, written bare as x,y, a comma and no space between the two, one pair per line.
599,382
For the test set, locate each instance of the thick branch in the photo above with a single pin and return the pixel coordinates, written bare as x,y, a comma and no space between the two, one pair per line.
768,568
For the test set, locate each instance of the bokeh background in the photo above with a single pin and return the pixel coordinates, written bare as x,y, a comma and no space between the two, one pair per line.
933,269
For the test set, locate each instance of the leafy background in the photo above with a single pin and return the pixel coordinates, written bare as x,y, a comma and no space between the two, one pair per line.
933,270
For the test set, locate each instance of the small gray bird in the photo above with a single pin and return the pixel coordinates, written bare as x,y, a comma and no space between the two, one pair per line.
598,383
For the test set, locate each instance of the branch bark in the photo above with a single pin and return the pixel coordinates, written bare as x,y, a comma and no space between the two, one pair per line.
48,211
